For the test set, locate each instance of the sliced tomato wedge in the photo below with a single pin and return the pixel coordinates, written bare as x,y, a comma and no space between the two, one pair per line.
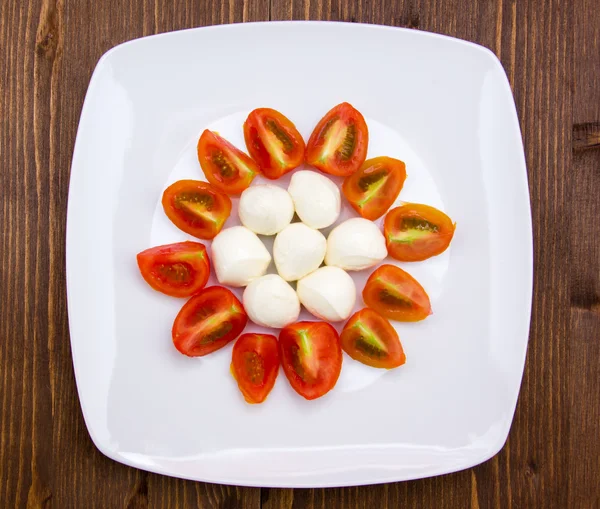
225,166
208,321
255,365
178,270
273,142
396,295
373,189
198,208
415,232
311,357
338,145
369,338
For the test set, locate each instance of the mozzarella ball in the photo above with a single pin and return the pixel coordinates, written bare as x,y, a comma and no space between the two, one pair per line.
316,198
298,250
271,302
239,256
266,209
355,244
328,293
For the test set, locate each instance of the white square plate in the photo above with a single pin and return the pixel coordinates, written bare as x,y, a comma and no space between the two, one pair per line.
442,105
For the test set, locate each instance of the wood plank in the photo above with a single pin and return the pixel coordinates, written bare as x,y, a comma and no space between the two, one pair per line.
584,211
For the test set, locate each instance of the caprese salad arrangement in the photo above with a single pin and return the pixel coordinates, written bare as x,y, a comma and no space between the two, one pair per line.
310,352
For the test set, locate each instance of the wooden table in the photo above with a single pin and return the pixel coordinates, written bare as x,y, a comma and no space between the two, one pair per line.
551,52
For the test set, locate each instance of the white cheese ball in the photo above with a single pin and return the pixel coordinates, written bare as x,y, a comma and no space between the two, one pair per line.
271,302
328,293
316,198
355,244
239,256
266,209
298,250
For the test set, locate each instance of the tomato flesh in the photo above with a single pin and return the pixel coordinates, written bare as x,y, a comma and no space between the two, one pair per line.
196,207
255,365
415,232
373,189
369,338
311,357
338,144
178,270
225,166
396,295
208,321
273,142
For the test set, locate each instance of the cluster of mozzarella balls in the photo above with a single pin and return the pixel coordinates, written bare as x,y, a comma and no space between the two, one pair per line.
299,251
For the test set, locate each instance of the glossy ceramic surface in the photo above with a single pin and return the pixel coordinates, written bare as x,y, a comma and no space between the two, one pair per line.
443,106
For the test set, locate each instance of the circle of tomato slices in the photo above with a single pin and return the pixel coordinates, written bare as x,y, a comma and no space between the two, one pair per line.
208,321
309,352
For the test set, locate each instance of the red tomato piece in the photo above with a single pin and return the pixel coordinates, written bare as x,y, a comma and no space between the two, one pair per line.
415,232
373,189
311,357
178,270
208,321
369,338
273,142
225,166
338,145
255,365
196,207
396,295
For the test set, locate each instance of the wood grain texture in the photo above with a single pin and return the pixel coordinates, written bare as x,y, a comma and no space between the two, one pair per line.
584,274
551,52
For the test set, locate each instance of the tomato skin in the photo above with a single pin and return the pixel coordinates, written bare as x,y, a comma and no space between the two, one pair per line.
208,321
273,142
196,207
313,348
373,189
396,295
415,232
255,365
369,338
338,144
178,270
225,166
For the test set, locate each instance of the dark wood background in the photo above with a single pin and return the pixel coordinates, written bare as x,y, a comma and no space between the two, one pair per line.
551,52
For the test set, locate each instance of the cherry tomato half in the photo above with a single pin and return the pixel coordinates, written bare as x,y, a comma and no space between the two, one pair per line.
415,232
273,142
196,207
396,295
255,365
208,321
226,167
311,357
338,145
178,270
373,189
369,338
